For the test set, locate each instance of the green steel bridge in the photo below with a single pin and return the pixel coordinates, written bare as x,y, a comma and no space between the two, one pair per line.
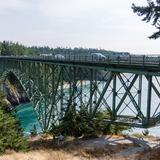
128,87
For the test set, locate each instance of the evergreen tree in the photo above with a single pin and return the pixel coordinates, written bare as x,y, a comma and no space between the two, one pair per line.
151,13
5,48
11,48
10,133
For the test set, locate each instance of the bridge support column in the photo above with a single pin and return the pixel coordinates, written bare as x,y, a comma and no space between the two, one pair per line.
114,97
61,94
91,92
149,99
81,88
140,91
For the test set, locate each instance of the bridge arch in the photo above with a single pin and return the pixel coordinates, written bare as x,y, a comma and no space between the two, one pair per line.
29,87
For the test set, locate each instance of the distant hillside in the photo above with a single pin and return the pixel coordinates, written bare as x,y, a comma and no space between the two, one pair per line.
11,48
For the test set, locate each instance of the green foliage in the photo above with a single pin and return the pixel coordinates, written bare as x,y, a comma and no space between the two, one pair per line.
72,123
145,132
138,135
151,13
10,48
105,127
78,122
5,48
11,135
2,102
117,129
34,131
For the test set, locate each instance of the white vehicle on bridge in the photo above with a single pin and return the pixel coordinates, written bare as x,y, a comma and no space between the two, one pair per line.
59,56
98,56
47,55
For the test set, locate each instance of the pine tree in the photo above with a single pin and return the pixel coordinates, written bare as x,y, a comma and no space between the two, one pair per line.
10,133
5,48
151,13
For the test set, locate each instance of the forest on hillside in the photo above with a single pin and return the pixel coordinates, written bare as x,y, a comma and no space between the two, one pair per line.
11,48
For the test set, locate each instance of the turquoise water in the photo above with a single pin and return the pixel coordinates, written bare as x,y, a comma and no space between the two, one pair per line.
27,117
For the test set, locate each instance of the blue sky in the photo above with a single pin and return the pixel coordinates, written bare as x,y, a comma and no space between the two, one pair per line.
107,24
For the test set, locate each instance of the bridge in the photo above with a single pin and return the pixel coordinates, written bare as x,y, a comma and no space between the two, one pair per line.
127,87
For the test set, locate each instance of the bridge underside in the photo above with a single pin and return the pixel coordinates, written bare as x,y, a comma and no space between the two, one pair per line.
130,98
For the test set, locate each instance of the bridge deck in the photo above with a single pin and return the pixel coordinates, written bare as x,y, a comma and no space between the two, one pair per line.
135,64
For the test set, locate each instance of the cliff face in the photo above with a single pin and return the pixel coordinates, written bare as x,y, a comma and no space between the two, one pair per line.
14,93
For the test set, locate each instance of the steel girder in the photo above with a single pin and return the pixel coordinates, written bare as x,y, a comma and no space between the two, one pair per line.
130,98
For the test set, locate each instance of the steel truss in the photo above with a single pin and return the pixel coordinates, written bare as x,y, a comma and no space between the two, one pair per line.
130,98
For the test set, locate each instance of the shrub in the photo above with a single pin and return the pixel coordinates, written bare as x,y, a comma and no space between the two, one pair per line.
145,132
33,131
78,122
138,135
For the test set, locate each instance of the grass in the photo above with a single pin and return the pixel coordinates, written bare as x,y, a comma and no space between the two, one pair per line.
44,148
141,135
79,147
138,135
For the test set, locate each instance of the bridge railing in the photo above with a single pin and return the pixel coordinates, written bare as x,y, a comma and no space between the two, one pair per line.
130,59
